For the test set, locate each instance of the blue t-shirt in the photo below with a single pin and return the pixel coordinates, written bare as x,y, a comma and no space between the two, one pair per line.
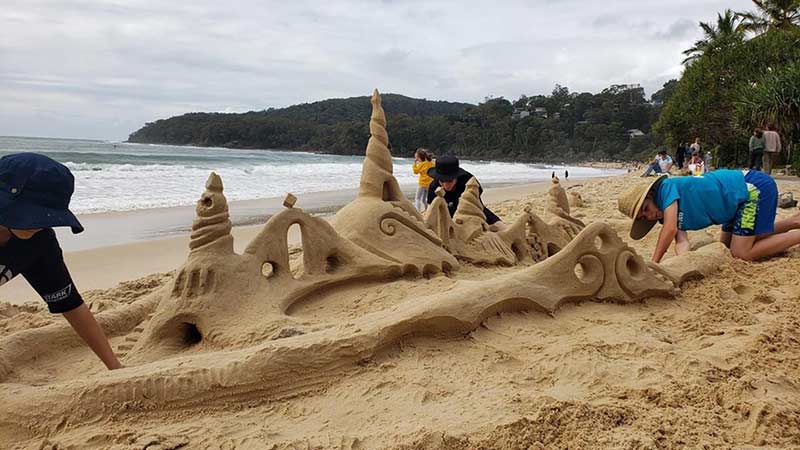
711,199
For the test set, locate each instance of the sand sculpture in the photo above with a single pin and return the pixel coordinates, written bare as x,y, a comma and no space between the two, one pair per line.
575,199
381,219
224,330
528,240
224,299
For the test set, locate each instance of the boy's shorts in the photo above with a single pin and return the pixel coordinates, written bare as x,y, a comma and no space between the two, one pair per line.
756,215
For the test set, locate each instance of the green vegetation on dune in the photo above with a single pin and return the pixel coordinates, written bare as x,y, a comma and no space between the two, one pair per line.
562,126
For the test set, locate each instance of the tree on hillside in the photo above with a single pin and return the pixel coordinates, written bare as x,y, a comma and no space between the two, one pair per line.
771,14
725,33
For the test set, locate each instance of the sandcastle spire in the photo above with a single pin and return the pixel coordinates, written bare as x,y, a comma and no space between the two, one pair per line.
212,226
376,176
557,197
470,206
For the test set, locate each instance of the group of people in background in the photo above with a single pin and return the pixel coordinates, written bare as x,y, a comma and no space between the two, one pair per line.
687,157
765,146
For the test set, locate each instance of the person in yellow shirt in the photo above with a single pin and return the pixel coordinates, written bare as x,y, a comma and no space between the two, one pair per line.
423,161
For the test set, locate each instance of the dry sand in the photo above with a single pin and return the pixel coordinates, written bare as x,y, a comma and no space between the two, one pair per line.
716,367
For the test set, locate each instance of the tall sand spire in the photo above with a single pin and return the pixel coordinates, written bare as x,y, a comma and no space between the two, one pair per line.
377,179
212,226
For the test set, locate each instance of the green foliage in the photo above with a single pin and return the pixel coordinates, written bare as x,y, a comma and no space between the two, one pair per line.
771,15
571,126
717,37
704,102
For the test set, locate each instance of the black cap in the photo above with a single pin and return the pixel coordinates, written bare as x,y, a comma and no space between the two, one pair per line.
446,169
35,192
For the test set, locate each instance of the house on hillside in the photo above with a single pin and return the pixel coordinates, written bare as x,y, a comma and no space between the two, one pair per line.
540,111
634,132
520,113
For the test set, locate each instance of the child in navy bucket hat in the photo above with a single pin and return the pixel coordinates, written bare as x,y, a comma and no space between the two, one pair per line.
35,192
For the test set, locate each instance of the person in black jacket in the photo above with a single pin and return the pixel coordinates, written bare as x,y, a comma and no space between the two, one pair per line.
34,197
453,179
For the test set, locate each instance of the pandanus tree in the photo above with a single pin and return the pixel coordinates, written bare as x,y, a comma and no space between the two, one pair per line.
724,33
771,14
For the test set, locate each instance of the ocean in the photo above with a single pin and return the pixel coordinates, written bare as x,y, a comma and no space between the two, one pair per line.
118,176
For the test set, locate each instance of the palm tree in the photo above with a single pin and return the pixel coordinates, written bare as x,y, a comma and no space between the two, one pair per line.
726,31
771,14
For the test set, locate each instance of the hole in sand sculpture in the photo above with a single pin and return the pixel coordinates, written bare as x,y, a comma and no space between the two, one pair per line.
268,270
207,202
332,264
410,272
190,335
429,271
580,272
598,243
634,267
552,249
387,192
295,234
447,268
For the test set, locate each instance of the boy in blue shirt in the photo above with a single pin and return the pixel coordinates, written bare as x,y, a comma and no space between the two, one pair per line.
744,203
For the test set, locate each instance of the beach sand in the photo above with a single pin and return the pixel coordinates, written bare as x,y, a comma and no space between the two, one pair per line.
717,366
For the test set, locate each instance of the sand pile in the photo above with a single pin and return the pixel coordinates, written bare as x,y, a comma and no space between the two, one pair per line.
386,329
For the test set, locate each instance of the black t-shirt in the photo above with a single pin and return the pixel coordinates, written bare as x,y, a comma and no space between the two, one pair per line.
40,260
452,197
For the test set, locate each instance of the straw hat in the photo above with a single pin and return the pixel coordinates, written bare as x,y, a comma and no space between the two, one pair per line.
630,202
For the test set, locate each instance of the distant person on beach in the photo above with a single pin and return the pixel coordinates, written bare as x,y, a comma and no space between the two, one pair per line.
662,163
680,156
423,162
453,179
772,148
34,197
757,143
696,146
743,202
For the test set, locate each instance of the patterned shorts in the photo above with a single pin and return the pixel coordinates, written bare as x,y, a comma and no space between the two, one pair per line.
756,215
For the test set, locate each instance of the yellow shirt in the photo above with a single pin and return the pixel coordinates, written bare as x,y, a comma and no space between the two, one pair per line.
421,168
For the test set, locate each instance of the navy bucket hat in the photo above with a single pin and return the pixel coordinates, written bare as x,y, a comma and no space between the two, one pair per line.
35,192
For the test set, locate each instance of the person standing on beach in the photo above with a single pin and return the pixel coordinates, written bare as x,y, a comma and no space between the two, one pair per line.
680,156
453,179
772,148
35,192
756,145
423,162
696,146
743,202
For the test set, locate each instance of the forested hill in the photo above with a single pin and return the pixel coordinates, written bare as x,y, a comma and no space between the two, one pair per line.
562,126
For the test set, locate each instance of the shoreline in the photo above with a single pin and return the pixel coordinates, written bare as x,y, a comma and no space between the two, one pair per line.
97,266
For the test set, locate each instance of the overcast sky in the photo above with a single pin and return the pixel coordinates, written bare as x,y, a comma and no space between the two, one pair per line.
101,69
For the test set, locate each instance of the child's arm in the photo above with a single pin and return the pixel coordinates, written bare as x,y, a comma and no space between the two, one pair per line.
416,167
89,330
682,244
668,231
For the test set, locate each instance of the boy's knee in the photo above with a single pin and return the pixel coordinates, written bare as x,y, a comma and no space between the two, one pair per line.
744,255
